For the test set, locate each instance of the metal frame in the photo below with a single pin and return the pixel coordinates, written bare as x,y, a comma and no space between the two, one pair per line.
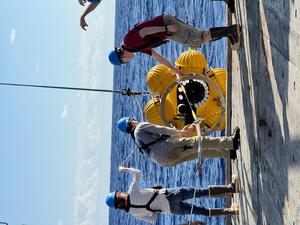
204,78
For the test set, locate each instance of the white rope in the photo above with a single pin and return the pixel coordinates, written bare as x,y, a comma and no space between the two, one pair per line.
142,119
199,165
191,215
140,108
200,149
126,159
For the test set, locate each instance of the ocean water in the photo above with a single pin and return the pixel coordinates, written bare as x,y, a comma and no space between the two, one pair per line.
201,14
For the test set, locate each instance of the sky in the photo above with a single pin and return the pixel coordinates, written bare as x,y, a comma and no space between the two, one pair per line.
54,150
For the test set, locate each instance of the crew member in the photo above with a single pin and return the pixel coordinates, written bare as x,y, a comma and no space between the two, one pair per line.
152,33
146,203
168,147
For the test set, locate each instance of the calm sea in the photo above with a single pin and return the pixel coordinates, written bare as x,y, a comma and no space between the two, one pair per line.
201,14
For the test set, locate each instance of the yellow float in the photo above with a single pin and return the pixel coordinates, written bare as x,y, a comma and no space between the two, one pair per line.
199,91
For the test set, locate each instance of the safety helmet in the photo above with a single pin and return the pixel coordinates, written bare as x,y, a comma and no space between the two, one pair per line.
124,124
115,57
110,199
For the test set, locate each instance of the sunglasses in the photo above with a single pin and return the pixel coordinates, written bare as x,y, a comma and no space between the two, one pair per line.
120,203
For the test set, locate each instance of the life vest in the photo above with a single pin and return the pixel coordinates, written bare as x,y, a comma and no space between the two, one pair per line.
145,148
147,205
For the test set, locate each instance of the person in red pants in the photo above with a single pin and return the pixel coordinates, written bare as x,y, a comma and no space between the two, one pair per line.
154,32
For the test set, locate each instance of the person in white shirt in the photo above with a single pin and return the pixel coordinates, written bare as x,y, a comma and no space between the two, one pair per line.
146,203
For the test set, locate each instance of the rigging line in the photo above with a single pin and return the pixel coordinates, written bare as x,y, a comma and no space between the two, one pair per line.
199,165
129,155
142,116
200,148
192,208
184,91
124,91
140,108
127,158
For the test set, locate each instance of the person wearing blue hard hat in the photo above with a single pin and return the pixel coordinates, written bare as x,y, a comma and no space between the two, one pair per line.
146,203
110,199
92,5
154,32
124,124
167,146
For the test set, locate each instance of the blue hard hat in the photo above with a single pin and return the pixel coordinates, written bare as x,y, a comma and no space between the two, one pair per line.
123,124
110,199
114,57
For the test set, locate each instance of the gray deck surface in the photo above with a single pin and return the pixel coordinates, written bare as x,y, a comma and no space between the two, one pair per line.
266,106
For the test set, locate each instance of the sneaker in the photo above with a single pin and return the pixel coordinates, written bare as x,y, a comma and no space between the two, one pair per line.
234,209
236,138
234,32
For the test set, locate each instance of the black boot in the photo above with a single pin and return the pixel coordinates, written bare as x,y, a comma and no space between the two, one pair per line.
232,32
236,138
220,190
223,190
233,154
230,4
217,33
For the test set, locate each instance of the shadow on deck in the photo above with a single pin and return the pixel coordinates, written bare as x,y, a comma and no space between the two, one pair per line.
265,100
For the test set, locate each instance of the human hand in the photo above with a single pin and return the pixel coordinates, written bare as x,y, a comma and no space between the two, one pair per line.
184,133
187,130
83,24
122,169
189,127
82,2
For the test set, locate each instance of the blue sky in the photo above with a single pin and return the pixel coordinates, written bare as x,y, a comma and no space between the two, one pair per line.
53,148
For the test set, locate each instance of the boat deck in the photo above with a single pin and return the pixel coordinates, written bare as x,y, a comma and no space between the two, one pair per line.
265,104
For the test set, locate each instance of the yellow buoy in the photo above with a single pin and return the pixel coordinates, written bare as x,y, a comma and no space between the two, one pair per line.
211,112
159,78
205,98
218,76
152,111
192,61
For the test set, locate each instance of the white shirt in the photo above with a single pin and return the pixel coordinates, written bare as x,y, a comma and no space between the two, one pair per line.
141,196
